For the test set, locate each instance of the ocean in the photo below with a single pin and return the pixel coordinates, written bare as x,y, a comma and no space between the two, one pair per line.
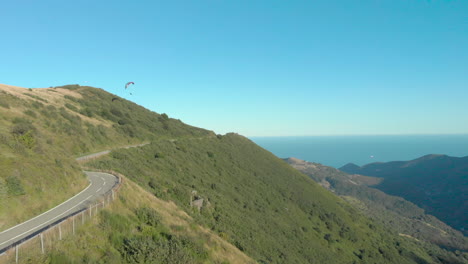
336,151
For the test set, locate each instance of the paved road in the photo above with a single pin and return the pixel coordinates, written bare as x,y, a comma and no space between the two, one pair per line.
100,183
105,152
94,155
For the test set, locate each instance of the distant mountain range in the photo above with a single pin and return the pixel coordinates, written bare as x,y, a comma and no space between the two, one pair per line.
436,183
400,215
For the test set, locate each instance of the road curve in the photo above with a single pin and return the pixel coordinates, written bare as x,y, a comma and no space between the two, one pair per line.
100,183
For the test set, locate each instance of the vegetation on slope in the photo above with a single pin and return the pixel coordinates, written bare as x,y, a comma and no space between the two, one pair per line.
43,130
140,228
35,173
436,183
252,199
257,202
403,217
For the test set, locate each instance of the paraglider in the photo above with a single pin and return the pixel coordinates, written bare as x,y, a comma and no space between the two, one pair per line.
128,84
125,92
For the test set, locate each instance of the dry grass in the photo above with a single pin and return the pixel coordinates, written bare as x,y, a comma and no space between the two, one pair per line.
53,96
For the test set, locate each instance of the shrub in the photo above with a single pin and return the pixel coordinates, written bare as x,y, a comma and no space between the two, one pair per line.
4,104
14,186
164,116
30,113
71,107
70,86
87,112
36,97
37,105
153,184
148,216
22,129
71,98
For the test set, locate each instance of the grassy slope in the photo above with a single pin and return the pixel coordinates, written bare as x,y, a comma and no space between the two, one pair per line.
120,235
35,175
256,201
259,203
43,130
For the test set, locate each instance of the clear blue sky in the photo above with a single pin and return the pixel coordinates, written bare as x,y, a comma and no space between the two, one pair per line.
259,68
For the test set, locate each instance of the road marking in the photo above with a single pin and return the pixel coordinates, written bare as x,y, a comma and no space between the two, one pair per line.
46,211
46,221
99,189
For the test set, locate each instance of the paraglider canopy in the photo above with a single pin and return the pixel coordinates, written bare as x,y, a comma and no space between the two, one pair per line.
128,84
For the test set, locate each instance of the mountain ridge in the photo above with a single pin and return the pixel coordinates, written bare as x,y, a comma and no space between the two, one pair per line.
437,183
402,216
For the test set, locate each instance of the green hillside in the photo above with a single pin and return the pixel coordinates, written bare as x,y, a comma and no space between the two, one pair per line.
403,217
225,187
436,183
43,130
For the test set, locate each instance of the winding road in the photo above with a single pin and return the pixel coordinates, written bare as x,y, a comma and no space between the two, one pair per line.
100,183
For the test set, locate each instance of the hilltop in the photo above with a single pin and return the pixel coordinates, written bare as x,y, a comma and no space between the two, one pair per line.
436,183
43,130
190,196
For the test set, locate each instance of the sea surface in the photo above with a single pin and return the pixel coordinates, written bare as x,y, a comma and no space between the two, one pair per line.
337,151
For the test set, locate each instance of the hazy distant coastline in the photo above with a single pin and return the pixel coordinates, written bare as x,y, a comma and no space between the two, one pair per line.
337,151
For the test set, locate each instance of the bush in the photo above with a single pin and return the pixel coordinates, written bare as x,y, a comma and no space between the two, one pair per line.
14,186
153,184
164,116
71,107
24,132
30,113
4,104
148,216
70,86
37,105
170,249
71,98
86,112
22,129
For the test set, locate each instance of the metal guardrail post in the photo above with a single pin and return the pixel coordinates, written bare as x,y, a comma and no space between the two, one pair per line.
42,243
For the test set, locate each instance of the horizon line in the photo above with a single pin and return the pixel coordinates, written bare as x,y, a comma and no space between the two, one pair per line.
361,135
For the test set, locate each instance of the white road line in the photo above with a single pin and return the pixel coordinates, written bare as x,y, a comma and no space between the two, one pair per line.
46,211
99,189
46,221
